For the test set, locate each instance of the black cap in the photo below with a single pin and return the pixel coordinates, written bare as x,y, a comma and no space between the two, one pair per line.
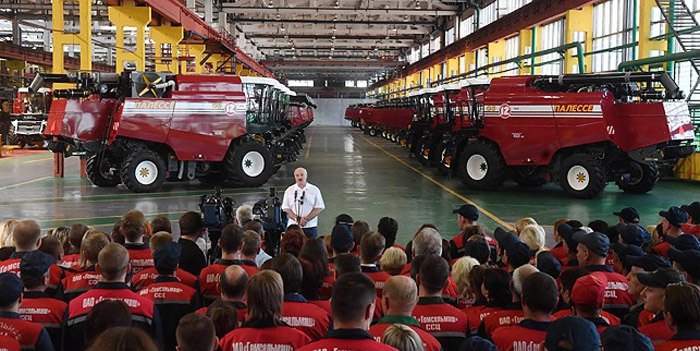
623,251
693,209
567,233
547,263
635,235
597,242
688,259
648,263
504,238
468,211
477,249
341,238
11,288
582,334
675,215
35,263
166,257
660,278
625,338
476,343
518,254
628,214
684,242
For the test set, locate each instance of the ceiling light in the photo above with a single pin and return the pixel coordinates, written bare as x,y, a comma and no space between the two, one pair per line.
417,5
332,49
282,29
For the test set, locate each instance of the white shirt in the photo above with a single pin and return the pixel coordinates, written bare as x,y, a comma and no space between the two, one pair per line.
303,203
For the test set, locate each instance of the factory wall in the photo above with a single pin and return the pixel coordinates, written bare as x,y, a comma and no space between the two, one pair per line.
331,112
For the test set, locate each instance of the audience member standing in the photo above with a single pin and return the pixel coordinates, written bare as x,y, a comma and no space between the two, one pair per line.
303,203
191,228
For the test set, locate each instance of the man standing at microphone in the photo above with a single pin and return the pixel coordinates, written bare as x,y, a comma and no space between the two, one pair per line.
302,203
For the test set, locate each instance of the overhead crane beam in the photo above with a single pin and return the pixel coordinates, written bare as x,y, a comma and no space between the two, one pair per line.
232,8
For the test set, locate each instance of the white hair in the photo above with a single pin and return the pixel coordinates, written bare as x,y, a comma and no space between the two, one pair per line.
427,242
519,275
244,213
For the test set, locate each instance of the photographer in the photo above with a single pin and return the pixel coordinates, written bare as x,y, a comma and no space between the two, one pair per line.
303,203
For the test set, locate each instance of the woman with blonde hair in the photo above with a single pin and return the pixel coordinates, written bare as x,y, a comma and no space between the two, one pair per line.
7,245
402,338
460,275
534,237
521,223
393,261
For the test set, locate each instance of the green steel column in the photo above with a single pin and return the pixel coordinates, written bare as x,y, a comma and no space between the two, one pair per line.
533,45
670,43
579,55
635,27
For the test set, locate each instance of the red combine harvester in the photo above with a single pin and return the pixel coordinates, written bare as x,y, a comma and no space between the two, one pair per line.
301,110
581,131
352,114
141,129
390,118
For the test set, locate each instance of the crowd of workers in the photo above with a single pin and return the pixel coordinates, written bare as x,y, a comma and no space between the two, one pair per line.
621,286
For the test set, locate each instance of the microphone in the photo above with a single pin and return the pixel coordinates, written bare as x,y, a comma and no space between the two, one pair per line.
301,199
295,195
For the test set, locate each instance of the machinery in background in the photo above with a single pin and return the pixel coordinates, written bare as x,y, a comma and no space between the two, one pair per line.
143,128
29,115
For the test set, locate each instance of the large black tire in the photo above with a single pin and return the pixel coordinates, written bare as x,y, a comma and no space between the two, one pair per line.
481,166
372,132
425,153
143,171
582,176
104,175
444,155
249,164
643,178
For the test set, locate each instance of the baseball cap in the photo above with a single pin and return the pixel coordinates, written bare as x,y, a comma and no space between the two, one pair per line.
581,333
11,288
35,263
623,250
693,209
625,338
504,238
518,254
567,233
635,235
547,263
684,242
595,241
341,238
166,257
589,290
477,249
687,259
467,211
675,215
628,214
648,263
660,278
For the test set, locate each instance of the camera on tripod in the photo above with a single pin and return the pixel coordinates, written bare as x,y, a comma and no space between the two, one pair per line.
217,212
274,221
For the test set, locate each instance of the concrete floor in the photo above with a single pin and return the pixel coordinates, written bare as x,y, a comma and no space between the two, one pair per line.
365,177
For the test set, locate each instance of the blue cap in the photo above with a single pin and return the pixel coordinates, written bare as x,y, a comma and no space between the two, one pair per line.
166,257
467,211
660,278
476,343
504,238
635,235
599,243
623,250
547,263
693,209
12,288
675,215
582,334
628,214
518,254
341,238
477,249
649,263
688,260
35,263
625,338
684,242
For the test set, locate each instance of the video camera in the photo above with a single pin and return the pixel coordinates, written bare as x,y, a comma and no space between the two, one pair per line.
274,221
217,212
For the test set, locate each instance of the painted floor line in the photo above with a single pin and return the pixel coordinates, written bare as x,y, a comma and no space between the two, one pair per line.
39,160
443,186
24,183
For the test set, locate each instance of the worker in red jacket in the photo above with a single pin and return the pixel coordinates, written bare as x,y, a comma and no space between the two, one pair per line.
592,251
147,276
134,228
539,298
232,283
113,265
671,223
398,301
31,336
87,276
682,316
37,306
371,247
264,328
445,322
352,302
172,298
587,298
655,284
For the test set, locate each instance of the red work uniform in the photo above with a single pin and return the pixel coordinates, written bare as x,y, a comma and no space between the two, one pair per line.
429,341
70,261
559,253
147,276
209,277
378,276
608,317
657,330
684,340
457,245
503,318
476,313
31,336
143,312
56,273
38,307
327,286
617,300
445,322
77,283
305,316
8,343
251,336
347,340
527,335
173,300
241,310
140,257
662,249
